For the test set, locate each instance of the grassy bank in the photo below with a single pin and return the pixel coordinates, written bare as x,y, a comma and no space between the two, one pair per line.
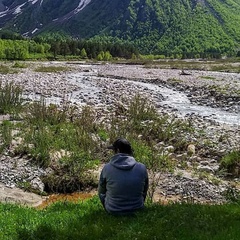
87,220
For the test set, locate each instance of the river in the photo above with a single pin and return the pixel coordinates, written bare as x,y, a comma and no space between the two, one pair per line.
94,89
165,96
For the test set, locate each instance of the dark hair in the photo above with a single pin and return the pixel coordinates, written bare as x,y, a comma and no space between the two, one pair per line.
122,145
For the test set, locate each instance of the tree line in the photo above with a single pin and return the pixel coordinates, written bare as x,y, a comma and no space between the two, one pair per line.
92,49
21,49
14,48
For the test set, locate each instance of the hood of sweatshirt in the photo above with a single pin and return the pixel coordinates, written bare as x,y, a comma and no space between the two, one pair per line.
123,161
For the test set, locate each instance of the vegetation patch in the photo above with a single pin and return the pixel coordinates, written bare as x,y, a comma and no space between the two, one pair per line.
88,220
226,68
231,162
51,69
229,65
70,140
208,77
6,70
19,65
10,98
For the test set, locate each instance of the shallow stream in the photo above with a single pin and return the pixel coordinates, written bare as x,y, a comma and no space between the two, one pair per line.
174,99
92,88
180,102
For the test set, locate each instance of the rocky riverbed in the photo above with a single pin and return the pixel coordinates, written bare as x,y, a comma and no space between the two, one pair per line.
103,85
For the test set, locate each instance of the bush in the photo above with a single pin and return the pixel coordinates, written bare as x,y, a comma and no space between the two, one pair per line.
10,98
6,135
231,162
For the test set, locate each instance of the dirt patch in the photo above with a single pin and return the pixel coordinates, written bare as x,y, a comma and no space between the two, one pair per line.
73,197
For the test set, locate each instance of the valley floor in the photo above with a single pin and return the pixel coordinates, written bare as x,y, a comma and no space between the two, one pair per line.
102,85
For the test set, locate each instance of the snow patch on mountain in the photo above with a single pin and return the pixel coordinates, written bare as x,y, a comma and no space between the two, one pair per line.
33,1
35,30
4,13
18,9
82,4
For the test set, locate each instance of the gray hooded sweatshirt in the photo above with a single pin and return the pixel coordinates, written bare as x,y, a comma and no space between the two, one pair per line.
123,184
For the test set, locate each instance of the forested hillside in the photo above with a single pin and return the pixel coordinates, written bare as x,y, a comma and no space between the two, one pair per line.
186,28
181,27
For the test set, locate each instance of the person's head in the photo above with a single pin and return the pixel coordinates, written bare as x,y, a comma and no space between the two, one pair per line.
121,145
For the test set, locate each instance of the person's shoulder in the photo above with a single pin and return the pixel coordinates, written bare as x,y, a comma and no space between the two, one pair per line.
141,165
106,166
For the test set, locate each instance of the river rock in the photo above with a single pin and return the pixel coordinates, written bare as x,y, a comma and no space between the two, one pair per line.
37,184
205,169
191,149
16,195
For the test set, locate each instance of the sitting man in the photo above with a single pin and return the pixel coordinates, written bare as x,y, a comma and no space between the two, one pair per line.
123,182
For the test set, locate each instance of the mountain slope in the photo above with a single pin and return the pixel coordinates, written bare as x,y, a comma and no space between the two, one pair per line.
156,26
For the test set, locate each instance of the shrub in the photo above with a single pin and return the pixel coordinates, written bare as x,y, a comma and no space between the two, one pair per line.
10,98
19,65
231,162
69,174
140,118
38,112
6,134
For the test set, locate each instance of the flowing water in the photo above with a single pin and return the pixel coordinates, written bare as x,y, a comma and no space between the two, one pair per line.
91,88
174,99
179,101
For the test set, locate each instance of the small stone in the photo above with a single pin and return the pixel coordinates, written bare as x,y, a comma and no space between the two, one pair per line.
191,149
205,169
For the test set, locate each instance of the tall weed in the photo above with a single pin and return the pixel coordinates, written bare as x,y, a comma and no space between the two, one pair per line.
6,134
11,99
38,112
156,160
231,162
69,174
140,119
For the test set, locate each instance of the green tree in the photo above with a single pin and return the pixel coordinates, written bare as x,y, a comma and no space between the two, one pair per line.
2,49
55,48
107,56
100,56
83,53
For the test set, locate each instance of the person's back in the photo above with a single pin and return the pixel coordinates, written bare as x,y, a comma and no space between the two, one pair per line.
123,182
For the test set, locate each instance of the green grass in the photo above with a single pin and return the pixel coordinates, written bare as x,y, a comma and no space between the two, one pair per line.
226,68
208,77
19,65
51,69
10,98
88,220
231,162
6,70
6,134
